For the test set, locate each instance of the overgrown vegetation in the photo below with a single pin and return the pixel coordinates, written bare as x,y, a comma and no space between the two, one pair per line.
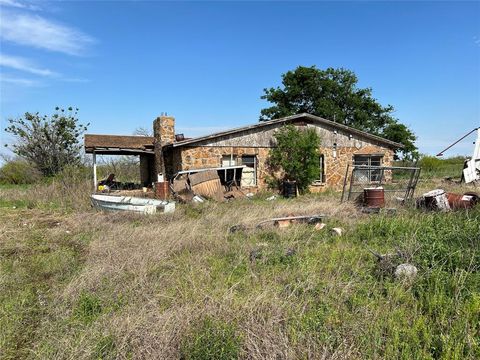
49,142
437,168
18,171
296,155
81,284
211,339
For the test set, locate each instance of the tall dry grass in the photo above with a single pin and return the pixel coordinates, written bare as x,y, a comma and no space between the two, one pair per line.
118,285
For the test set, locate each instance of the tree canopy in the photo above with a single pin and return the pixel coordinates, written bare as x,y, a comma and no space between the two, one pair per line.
333,94
296,153
49,142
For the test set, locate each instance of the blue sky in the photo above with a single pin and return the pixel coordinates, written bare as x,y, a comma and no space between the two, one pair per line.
206,63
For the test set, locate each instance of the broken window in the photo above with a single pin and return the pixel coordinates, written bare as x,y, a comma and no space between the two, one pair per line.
249,173
368,175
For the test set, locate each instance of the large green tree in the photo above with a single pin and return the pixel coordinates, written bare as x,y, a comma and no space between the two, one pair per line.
333,94
49,142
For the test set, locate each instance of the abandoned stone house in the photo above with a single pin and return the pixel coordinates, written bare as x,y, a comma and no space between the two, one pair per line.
169,153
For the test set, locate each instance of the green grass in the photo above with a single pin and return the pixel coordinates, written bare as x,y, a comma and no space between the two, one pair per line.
211,339
31,265
15,186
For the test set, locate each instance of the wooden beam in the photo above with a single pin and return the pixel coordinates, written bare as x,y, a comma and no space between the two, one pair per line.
94,172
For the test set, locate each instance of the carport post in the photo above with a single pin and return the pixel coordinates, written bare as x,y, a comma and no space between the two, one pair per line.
94,172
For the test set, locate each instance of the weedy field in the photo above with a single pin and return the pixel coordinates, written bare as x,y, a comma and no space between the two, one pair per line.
80,284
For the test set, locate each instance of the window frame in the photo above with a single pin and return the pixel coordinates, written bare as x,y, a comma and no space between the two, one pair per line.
321,171
373,176
255,165
232,159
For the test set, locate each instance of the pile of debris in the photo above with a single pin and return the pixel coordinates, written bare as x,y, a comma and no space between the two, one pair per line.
397,265
198,186
440,200
110,183
286,221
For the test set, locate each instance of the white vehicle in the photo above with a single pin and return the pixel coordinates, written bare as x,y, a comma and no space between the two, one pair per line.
471,168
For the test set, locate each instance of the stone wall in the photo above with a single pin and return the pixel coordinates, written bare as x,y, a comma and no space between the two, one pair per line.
336,165
187,158
211,156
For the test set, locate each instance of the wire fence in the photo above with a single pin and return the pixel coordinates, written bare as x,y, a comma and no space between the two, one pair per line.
398,182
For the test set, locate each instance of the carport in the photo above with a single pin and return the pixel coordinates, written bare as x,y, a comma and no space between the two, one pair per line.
142,146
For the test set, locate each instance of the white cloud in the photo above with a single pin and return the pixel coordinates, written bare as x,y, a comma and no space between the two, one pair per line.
19,63
36,31
20,5
19,81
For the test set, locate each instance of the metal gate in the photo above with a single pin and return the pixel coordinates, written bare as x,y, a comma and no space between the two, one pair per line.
398,182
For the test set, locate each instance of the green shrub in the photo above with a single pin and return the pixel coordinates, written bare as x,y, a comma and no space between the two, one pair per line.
430,163
296,154
439,167
19,172
211,339
74,174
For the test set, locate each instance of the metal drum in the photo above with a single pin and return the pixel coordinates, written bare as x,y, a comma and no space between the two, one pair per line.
465,201
374,197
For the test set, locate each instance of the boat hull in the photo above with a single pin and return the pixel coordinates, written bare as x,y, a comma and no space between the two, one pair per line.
128,203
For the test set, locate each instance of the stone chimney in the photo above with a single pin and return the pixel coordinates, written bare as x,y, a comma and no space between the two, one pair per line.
164,129
164,133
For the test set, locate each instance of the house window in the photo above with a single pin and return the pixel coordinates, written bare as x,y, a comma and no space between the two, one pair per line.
229,160
249,173
367,175
321,169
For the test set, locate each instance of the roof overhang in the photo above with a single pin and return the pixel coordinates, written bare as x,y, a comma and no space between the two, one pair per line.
117,151
118,145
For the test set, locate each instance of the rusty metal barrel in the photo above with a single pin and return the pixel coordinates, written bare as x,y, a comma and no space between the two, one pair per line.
465,201
162,190
374,197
